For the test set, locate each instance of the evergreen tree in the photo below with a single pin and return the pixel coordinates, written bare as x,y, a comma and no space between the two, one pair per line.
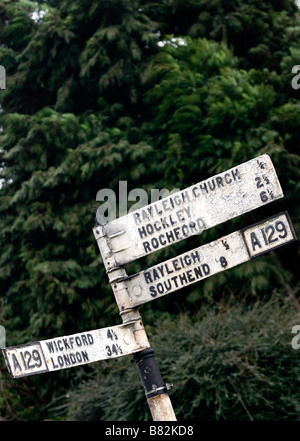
99,92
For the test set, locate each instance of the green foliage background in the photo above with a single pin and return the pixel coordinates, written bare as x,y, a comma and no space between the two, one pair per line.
162,95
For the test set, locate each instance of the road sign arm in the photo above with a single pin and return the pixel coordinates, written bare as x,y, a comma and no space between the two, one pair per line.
74,350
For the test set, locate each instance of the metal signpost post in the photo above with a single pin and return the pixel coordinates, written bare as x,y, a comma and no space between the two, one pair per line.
186,213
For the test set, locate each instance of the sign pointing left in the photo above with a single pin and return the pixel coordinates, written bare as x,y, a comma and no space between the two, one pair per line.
75,350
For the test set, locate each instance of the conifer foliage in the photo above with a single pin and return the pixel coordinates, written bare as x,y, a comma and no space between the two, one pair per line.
161,95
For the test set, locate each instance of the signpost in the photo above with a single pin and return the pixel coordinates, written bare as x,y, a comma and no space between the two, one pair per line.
189,212
186,213
206,260
75,350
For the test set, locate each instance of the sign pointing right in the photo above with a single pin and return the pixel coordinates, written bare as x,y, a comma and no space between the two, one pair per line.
207,260
188,212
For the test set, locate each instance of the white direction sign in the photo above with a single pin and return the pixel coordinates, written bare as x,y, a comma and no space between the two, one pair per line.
207,260
188,212
74,350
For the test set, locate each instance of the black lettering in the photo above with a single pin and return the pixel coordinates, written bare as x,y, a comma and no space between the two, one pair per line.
55,366
78,356
185,196
259,184
168,270
36,356
194,192
235,174
78,341
183,278
50,347
161,270
175,264
176,231
263,196
282,229
147,247
270,227
205,269
160,288
167,284
84,356
264,236
185,230
165,205
223,262
164,222
16,364
170,236
155,274
187,260
72,358
29,365
203,187
212,187
145,215
179,216
192,226
156,227
147,276
66,343
190,277
219,182
136,217
227,178
198,272
153,293
142,232
160,238
154,243
177,199
67,360
90,339
175,281
188,211
60,346
195,256
60,361
254,241
181,261
172,222
84,340
200,224
150,229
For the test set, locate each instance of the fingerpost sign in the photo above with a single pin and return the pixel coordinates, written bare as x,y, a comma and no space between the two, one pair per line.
186,213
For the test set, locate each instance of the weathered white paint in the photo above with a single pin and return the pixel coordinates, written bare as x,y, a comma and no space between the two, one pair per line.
74,350
205,261
188,212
